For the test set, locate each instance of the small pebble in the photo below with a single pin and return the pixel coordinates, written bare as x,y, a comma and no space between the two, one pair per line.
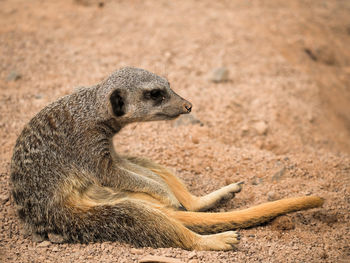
13,76
261,127
55,249
277,176
44,244
271,196
244,130
192,254
256,181
219,75
195,140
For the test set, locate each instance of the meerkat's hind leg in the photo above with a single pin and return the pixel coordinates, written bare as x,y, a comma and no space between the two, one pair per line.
188,200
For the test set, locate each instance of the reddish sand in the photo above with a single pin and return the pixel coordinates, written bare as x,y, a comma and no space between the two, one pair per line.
281,122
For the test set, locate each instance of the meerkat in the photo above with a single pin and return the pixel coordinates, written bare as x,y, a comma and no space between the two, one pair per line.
68,180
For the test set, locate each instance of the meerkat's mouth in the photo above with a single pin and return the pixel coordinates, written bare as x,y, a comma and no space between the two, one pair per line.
167,116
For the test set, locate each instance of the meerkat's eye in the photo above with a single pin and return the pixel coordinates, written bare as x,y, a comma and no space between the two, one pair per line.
156,94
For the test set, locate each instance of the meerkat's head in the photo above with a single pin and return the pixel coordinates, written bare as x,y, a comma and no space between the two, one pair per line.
138,95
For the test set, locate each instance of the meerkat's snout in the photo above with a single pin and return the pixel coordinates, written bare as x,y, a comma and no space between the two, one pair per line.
178,105
188,107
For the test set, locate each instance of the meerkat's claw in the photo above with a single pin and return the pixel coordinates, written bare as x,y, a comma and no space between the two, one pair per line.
182,208
236,187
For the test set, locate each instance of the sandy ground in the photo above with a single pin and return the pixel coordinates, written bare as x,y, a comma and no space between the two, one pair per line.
281,122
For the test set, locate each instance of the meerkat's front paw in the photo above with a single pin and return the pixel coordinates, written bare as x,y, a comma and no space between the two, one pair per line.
220,241
219,196
235,187
230,190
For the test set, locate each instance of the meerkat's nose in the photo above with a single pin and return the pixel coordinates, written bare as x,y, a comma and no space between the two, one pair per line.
188,106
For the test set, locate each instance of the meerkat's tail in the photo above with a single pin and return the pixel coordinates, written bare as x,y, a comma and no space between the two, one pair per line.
218,222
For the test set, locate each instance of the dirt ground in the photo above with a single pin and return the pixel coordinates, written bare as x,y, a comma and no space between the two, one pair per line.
280,122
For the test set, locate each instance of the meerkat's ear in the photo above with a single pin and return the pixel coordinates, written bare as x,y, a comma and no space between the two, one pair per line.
117,103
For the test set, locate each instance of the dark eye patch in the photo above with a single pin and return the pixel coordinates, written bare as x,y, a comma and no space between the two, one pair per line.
156,95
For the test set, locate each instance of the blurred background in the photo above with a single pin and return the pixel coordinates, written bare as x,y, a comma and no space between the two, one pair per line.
270,86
